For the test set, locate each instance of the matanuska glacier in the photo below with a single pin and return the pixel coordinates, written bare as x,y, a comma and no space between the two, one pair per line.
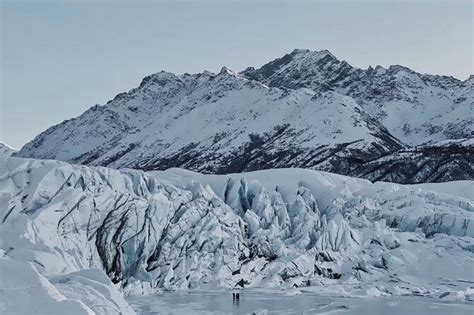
78,239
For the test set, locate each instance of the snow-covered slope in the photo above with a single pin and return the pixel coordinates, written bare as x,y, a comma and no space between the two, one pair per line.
318,113
5,149
436,162
63,224
23,290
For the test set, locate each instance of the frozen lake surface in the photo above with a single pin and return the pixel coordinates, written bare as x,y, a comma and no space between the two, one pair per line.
254,302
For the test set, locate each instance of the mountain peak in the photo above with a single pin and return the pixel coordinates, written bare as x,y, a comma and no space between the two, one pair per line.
326,53
318,54
227,71
398,68
160,77
298,51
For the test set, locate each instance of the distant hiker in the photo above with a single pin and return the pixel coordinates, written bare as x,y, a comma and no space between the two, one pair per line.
237,296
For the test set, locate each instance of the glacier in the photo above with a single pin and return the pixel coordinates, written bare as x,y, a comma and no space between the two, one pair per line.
83,238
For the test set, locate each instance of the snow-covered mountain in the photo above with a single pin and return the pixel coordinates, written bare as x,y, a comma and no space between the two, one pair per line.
307,109
63,226
416,108
216,123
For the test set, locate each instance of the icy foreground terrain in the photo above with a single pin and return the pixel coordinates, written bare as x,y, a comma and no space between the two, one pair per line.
295,301
75,237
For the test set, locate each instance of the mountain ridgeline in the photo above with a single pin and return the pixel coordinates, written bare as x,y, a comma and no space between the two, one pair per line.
306,109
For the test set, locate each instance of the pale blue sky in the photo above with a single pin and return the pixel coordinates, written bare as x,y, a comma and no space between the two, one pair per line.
60,57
